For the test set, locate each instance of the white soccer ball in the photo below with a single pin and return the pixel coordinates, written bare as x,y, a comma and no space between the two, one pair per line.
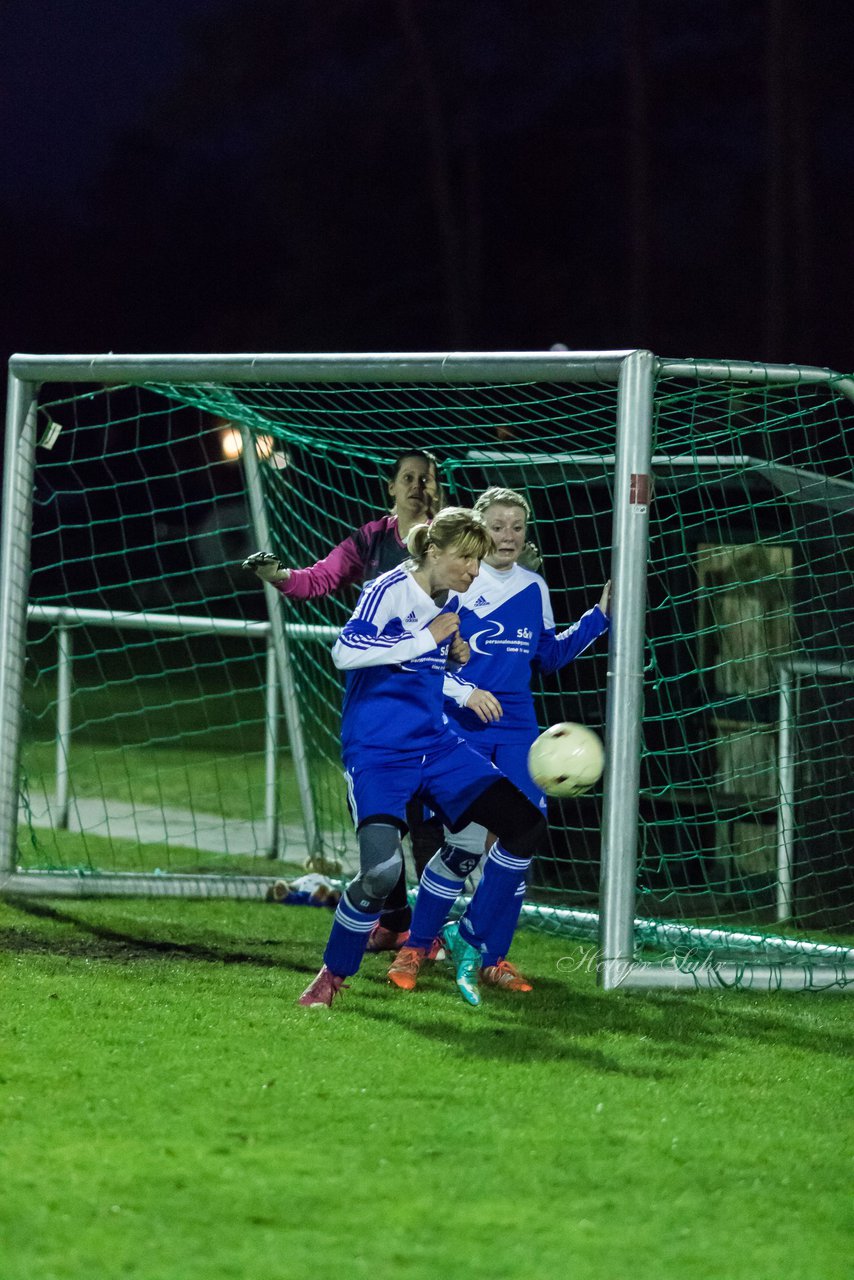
566,760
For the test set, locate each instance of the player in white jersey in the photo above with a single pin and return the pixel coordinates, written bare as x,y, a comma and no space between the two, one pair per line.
508,621
415,487
396,743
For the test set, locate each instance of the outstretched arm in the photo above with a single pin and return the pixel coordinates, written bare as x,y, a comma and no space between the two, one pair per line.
557,649
267,567
341,567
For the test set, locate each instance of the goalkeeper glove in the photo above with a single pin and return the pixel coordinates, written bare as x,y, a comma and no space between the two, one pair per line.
267,567
530,558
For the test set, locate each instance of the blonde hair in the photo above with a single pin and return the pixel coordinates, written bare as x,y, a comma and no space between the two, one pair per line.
454,527
495,496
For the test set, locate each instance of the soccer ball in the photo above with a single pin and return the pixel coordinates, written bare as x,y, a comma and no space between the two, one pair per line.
566,760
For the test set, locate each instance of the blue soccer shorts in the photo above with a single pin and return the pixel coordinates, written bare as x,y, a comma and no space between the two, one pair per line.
511,758
449,777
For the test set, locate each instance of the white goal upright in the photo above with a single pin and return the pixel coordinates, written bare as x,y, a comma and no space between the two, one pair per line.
171,727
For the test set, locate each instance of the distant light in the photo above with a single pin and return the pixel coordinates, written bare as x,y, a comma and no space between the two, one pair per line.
231,442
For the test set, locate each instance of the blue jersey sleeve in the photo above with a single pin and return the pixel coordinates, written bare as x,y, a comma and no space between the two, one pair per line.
557,649
456,687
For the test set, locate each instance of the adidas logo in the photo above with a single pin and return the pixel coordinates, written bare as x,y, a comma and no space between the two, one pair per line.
413,617
481,600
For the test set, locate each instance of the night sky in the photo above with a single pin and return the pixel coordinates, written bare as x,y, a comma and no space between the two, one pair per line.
357,175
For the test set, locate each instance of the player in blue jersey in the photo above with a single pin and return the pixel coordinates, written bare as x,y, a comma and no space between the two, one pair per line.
415,488
508,622
396,743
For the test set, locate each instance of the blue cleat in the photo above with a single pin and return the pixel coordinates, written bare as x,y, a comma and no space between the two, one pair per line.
466,961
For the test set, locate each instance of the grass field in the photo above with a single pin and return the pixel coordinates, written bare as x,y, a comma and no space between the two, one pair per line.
170,1114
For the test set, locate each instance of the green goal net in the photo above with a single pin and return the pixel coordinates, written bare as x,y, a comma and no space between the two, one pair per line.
160,744
151,740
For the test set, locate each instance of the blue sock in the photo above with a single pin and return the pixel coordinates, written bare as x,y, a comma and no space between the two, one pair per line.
493,897
348,939
436,895
500,935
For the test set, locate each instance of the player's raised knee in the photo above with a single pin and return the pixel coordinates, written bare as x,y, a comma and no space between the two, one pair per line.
527,836
518,824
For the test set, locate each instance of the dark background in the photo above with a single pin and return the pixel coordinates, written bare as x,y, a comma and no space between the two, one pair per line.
356,175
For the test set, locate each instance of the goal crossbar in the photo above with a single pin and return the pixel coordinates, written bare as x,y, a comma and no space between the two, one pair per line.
635,374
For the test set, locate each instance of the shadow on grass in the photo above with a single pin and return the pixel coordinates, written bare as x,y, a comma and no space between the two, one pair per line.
93,941
643,1034
649,1034
518,1033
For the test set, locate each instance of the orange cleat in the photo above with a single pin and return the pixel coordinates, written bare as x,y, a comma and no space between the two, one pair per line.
506,975
404,970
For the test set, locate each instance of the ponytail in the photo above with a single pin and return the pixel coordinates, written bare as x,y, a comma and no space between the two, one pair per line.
417,539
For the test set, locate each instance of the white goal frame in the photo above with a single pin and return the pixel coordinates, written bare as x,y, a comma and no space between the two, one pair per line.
635,374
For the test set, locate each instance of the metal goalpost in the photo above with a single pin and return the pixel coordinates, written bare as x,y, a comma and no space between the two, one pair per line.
635,374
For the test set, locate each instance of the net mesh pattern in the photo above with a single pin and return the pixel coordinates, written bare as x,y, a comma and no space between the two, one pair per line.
138,507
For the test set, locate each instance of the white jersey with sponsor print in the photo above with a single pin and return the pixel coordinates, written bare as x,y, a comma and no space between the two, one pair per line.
506,616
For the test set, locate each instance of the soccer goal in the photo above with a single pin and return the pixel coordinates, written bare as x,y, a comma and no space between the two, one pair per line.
171,727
